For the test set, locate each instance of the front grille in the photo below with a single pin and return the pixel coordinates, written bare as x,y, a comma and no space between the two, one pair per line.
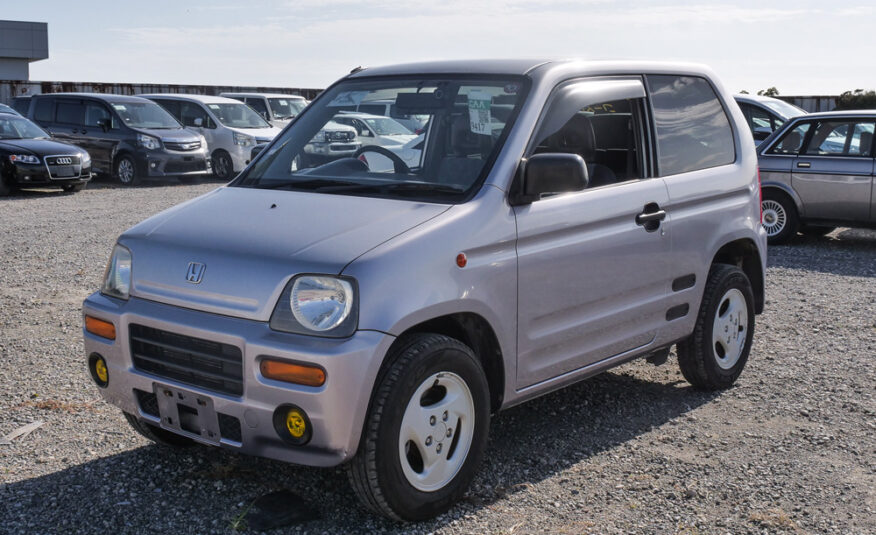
340,136
194,361
185,167
147,401
229,427
182,145
63,166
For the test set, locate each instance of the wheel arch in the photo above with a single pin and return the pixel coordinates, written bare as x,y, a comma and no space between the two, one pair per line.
787,190
744,254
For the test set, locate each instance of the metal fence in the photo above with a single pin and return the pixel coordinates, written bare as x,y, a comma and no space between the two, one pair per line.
24,88
812,104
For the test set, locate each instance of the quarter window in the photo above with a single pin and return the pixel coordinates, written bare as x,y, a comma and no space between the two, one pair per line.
791,142
841,138
693,131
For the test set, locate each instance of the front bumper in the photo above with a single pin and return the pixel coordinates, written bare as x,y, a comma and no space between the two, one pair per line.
163,163
336,410
25,174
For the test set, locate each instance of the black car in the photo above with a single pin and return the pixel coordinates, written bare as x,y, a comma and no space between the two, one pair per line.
130,138
29,157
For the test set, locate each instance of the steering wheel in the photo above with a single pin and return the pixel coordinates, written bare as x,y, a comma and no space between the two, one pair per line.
399,165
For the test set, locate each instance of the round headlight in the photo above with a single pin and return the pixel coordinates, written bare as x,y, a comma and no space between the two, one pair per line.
321,303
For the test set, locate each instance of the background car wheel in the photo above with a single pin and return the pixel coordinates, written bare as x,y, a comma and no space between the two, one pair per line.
426,430
223,167
73,188
779,217
812,230
126,171
157,434
715,354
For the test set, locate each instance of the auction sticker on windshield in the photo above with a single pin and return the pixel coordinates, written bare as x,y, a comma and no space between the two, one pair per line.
479,103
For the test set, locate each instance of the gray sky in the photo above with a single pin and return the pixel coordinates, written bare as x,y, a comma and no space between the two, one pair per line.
802,47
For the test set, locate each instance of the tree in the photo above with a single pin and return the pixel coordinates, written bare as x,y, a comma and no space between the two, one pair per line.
771,92
856,100
743,92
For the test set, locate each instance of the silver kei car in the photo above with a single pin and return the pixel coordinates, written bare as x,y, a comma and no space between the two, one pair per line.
562,218
817,174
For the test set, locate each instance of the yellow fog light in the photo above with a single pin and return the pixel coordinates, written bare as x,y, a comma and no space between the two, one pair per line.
98,369
292,424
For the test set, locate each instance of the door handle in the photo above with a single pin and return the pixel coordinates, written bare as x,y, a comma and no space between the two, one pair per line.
805,165
651,216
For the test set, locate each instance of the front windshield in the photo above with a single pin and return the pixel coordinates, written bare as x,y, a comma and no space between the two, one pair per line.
17,127
783,108
145,115
238,115
286,108
466,120
384,126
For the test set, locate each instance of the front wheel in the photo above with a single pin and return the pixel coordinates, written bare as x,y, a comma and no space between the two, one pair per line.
126,171
223,167
715,354
426,431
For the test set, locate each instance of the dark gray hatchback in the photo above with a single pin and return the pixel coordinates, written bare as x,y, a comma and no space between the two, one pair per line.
817,174
128,137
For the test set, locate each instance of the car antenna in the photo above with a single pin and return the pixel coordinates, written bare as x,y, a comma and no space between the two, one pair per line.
357,69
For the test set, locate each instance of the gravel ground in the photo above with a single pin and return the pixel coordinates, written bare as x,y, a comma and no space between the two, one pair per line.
790,449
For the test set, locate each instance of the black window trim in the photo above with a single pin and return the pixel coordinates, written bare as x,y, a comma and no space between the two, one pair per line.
733,131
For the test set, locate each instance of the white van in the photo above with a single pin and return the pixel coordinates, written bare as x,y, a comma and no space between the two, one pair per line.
230,127
276,108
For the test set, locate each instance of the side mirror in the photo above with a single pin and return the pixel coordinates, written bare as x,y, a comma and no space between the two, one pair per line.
761,132
549,173
104,124
198,122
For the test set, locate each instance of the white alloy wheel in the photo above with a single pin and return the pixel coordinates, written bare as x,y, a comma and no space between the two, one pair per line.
729,328
774,217
436,431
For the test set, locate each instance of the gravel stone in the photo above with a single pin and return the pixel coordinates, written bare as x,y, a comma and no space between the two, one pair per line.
790,449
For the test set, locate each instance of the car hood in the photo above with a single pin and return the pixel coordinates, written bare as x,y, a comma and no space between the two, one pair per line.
41,147
252,241
261,134
180,135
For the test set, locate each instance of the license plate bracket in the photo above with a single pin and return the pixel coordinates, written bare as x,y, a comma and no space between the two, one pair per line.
187,413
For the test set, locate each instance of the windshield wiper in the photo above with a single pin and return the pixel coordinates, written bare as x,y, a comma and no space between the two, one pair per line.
419,187
315,184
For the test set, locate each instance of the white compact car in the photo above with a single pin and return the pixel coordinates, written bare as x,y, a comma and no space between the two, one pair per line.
385,132
230,127
276,108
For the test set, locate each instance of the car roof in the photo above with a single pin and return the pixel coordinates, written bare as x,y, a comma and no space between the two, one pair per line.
756,98
839,113
204,99
535,68
268,95
107,97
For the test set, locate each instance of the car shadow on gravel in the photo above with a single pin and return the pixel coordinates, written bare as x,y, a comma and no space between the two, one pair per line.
846,252
154,489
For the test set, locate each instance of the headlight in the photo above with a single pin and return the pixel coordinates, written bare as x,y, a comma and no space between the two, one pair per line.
85,158
148,142
321,305
117,279
243,140
23,158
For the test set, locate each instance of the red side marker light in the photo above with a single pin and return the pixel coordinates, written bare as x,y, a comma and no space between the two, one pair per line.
461,260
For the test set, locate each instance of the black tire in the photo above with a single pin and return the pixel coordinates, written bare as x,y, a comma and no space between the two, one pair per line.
73,188
813,230
699,357
125,171
780,217
157,434
223,166
376,473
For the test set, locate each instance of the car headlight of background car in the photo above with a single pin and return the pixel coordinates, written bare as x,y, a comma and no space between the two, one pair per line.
23,158
243,140
117,278
148,142
318,305
85,159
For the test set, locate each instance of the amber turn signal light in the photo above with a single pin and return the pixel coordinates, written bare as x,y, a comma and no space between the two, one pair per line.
101,328
292,373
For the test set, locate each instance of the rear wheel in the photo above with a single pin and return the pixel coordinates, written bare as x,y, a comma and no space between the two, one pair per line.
715,354
779,217
426,431
126,171
157,434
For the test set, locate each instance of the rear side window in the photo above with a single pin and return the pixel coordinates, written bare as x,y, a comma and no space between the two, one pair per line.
43,110
841,138
693,131
69,112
